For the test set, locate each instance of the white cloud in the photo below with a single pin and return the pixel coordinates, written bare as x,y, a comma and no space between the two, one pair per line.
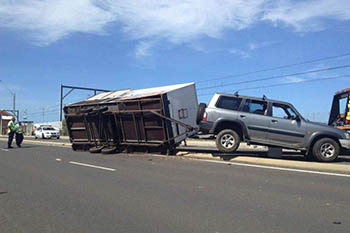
240,53
176,21
258,45
307,15
183,21
295,79
49,21
143,49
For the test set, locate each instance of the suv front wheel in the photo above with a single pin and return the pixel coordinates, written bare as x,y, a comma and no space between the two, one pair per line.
326,150
227,141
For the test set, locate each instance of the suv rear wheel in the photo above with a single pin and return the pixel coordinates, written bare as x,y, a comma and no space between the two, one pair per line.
227,141
326,150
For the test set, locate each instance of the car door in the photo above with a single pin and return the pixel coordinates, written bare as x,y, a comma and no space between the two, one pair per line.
285,125
254,116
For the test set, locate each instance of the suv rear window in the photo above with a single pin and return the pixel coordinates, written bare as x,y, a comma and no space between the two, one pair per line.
227,102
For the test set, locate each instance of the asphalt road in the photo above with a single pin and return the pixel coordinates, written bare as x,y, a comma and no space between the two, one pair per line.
63,140
47,189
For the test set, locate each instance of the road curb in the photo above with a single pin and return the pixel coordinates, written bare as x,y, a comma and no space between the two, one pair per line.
314,166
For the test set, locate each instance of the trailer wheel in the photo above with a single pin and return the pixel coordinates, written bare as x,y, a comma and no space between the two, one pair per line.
227,141
96,149
170,151
326,150
129,150
200,112
109,150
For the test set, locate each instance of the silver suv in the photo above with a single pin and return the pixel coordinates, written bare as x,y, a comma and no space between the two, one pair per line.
261,121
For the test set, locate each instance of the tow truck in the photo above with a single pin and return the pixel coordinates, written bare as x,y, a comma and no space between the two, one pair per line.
340,111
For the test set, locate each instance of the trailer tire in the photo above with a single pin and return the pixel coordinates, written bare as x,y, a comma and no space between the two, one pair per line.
200,112
96,149
227,141
109,150
170,151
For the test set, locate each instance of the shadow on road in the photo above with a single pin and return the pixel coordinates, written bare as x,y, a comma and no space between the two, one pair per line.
22,147
293,156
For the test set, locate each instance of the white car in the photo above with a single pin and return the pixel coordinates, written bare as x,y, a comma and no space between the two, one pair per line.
46,132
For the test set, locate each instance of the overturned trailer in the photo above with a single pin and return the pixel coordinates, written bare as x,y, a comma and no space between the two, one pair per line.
152,119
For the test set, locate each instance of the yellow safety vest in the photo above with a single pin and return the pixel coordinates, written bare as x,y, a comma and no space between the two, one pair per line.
19,129
11,127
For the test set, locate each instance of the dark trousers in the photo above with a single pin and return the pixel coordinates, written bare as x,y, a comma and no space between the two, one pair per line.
9,142
19,139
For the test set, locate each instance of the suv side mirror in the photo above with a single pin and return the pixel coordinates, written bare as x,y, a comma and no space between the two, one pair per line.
297,118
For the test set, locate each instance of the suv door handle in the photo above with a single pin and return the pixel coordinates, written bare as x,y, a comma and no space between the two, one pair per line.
242,116
274,121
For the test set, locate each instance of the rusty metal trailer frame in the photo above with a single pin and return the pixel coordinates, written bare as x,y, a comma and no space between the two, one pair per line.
155,112
118,140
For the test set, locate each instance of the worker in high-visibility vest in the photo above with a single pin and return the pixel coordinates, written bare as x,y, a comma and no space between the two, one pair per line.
11,130
19,134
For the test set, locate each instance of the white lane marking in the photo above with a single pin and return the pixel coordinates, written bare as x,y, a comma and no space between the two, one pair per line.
278,168
59,160
5,150
89,165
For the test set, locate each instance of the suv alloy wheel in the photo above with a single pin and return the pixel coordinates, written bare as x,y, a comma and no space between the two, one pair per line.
326,150
227,141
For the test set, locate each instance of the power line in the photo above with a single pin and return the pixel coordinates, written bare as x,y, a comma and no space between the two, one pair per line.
276,77
53,106
282,84
41,112
276,68
56,105
48,110
36,112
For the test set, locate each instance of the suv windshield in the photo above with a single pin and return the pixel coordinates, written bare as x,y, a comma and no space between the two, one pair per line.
49,129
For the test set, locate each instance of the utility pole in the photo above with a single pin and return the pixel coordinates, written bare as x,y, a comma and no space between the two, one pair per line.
13,100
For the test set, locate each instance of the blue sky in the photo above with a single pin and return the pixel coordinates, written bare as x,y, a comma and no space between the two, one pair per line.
117,44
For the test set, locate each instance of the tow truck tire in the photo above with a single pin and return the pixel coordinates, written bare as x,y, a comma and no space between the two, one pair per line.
326,150
200,112
227,141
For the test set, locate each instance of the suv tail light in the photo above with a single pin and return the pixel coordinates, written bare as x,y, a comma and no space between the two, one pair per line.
205,116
